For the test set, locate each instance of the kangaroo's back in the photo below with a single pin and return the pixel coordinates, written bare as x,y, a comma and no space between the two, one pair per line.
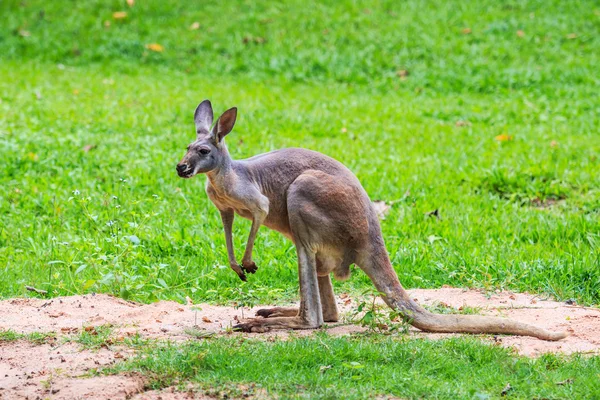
275,171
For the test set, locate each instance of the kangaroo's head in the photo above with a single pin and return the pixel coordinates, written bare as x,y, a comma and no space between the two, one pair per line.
208,151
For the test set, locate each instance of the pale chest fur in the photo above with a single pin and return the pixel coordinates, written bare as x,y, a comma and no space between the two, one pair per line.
224,201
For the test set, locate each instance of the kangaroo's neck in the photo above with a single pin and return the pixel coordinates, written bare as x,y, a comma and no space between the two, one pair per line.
223,172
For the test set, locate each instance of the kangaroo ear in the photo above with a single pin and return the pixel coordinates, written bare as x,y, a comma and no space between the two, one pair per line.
225,124
203,117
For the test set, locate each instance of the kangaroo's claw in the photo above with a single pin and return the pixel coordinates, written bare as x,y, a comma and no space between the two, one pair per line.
239,271
249,266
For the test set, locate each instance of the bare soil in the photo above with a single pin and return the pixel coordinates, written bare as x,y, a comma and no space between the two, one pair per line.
60,370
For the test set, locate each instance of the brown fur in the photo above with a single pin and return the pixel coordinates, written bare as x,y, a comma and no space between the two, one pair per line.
321,206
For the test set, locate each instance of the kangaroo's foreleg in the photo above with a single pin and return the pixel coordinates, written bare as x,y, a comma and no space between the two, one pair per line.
247,263
227,219
259,213
310,314
328,304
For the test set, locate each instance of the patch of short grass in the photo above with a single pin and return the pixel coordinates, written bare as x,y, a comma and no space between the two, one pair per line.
362,367
94,337
34,337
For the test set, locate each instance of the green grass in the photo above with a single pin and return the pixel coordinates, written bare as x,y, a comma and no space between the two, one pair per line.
92,124
117,219
360,368
34,337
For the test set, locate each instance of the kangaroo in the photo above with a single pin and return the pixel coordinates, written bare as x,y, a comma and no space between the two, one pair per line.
320,205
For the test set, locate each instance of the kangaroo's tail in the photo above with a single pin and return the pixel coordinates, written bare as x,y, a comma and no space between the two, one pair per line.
424,320
380,270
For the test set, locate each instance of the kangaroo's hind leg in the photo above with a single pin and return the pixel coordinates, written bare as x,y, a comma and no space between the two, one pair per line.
310,315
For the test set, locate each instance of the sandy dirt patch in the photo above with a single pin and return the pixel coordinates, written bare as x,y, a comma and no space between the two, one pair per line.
58,370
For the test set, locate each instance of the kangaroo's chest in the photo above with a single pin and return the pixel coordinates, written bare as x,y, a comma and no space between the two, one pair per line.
226,202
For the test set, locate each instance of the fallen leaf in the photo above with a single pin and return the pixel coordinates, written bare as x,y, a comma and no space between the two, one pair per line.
572,36
188,301
381,208
554,143
75,92
195,26
504,138
461,123
155,47
403,73
107,24
120,15
324,368
88,147
565,382
206,319
506,389
520,33
118,355
512,297
130,3
257,40
24,33
432,238
91,330
434,213
344,130
466,31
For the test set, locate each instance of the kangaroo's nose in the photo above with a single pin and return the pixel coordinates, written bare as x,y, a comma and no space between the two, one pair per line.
181,167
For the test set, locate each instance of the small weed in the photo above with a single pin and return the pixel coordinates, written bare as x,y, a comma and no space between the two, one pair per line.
443,308
198,333
375,317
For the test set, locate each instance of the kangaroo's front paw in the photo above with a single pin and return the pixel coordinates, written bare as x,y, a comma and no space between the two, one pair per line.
239,271
249,266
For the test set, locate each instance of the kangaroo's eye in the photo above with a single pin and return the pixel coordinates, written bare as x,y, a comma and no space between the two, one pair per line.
204,151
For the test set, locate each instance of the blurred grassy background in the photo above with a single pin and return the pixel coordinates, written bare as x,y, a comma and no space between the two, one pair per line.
417,98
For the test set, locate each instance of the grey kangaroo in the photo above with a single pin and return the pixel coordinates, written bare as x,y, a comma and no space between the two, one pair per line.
320,205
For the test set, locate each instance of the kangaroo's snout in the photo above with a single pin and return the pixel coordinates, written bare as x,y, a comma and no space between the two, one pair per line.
183,170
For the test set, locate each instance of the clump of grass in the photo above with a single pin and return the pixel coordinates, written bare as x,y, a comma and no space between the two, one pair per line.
443,308
95,337
37,338
525,188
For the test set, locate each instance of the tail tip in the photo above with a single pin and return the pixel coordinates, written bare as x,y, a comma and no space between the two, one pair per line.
554,336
